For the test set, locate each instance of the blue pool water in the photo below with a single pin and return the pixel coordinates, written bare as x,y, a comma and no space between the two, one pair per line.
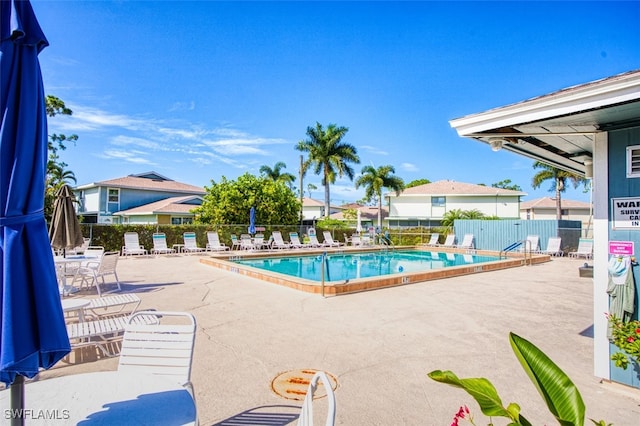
347,266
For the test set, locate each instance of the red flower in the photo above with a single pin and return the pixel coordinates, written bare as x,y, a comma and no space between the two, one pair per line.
630,339
638,331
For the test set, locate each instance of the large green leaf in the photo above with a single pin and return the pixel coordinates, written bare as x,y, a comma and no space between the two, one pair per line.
485,394
555,387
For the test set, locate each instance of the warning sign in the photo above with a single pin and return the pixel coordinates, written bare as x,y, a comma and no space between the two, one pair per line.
625,213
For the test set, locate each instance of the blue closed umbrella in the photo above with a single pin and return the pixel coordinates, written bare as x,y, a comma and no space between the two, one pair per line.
32,328
252,220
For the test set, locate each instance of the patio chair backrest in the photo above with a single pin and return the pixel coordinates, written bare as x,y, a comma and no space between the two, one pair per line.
277,237
355,240
131,240
532,243
108,263
553,245
294,238
164,349
450,240
467,241
94,251
190,240
306,414
213,238
434,239
328,238
313,239
585,246
160,241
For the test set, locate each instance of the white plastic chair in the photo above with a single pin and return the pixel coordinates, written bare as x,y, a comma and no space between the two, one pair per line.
190,244
329,241
306,415
433,241
278,242
450,241
213,242
585,249
92,270
132,245
553,247
160,244
162,349
467,242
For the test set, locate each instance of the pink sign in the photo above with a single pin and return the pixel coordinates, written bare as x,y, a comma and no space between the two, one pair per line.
621,247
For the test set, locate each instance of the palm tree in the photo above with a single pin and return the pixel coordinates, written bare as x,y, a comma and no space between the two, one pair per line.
328,155
276,175
559,181
374,180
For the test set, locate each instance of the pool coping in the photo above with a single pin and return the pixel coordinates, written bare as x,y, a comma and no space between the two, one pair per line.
225,261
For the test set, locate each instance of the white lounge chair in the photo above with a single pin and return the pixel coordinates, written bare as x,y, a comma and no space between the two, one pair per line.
467,242
295,241
246,243
116,304
259,242
101,332
160,244
190,243
553,247
278,242
532,243
90,271
213,242
450,241
132,245
313,241
306,415
235,242
160,349
328,240
585,249
433,241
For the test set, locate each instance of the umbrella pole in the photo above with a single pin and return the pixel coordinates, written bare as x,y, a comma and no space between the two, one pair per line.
17,401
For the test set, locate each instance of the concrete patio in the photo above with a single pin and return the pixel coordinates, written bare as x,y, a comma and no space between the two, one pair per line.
379,345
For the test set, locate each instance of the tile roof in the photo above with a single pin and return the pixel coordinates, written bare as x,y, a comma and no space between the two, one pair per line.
450,187
153,182
173,205
550,203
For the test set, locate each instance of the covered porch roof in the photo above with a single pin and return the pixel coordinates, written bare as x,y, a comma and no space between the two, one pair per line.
559,128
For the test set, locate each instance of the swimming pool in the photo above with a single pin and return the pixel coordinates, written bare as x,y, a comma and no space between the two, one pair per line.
349,266
354,270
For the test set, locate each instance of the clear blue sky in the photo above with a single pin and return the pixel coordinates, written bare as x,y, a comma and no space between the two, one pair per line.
201,90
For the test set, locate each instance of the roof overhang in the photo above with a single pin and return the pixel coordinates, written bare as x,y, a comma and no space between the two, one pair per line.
560,128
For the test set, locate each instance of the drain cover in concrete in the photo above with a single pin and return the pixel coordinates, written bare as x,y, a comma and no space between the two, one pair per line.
293,384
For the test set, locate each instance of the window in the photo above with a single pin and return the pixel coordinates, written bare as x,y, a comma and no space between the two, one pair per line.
113,195
633,161
181,220
437,201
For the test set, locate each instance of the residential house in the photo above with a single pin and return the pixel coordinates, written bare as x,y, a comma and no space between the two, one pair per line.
99,201
426,205
368,215
591,129
313,210
545,208
170,211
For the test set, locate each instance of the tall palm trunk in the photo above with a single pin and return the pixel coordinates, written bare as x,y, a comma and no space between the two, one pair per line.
380,211
558,199
326,192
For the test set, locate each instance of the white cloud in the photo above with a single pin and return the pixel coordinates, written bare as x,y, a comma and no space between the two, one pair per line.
129,156
409,167
183,106
373,149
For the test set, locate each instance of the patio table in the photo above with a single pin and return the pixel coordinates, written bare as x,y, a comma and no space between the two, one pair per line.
105,398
